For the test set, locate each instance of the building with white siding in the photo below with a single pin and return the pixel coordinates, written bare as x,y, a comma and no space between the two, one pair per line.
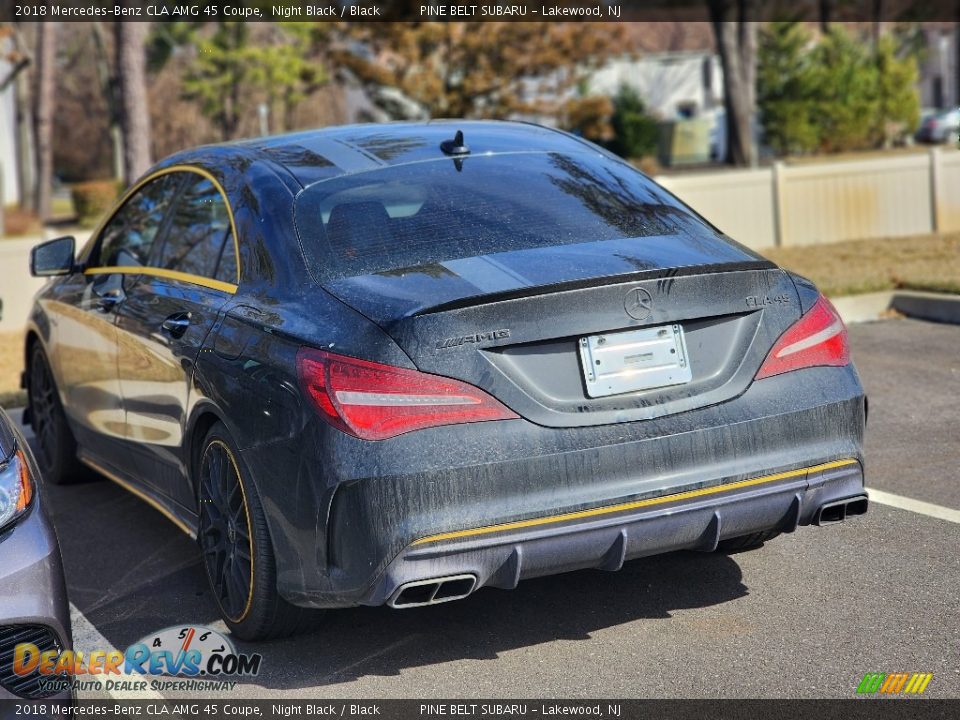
8,136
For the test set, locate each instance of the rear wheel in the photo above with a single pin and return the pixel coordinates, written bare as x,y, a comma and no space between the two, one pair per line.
56,447
237,551
746,542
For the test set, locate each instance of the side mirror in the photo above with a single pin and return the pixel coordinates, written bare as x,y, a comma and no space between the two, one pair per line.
54,257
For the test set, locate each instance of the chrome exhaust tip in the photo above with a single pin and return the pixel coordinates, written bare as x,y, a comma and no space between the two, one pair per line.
432,592
839,510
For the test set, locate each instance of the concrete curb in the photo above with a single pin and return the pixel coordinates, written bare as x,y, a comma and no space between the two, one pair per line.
937,307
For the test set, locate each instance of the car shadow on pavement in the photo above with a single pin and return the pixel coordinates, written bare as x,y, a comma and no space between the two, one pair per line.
131,572
380,641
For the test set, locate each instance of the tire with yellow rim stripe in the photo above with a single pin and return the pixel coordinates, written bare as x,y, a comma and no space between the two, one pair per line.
235,544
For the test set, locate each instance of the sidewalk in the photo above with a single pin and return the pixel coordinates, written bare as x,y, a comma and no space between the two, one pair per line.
929,306
17,287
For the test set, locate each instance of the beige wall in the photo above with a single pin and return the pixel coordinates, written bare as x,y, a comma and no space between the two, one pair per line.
948,192
811,203
717,195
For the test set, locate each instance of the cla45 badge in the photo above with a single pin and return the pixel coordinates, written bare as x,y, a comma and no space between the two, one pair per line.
756,301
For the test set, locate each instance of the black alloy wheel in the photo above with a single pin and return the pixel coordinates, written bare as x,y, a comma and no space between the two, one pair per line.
225,534
236,546
56,449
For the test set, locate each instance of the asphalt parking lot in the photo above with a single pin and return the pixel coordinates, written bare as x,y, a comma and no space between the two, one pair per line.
805,616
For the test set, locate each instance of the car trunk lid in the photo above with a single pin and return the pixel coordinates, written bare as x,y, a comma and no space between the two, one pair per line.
513,323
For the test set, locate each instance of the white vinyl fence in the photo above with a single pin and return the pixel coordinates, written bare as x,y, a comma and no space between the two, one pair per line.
812,203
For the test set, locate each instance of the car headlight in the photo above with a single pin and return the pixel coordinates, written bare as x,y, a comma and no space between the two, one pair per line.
16,488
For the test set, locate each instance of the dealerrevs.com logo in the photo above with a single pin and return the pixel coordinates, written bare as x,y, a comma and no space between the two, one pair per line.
894,683
187,652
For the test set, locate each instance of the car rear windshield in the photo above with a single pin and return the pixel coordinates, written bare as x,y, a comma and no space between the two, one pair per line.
427,213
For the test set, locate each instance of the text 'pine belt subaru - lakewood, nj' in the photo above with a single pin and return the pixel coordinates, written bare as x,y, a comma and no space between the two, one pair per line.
393,364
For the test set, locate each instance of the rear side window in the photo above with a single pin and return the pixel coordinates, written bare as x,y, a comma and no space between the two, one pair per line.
227,267
198,240
128,237
423,214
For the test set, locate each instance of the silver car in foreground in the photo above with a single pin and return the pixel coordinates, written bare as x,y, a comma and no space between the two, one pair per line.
33,595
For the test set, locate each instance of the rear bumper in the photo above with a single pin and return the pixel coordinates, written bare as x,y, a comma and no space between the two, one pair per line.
605,538
344,514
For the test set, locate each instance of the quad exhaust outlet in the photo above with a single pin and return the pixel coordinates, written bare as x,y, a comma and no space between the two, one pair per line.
839,510
433,591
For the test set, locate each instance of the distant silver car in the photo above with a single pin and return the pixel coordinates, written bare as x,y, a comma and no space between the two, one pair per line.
942,126
33,596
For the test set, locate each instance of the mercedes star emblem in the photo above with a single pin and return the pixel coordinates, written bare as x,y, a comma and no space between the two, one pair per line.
638,304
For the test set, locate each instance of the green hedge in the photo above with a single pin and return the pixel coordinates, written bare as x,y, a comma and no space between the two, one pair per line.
91,199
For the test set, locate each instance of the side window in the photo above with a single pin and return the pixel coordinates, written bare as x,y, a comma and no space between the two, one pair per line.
127,238
198,236
227,269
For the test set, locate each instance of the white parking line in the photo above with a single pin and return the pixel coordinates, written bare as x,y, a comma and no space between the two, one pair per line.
917,506
87,638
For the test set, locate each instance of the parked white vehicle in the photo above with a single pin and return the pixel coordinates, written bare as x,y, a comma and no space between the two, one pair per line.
940,126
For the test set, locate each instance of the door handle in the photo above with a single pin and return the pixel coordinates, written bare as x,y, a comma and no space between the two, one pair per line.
176,325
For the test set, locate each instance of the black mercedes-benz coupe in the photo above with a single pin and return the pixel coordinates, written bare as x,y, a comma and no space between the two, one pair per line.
393,364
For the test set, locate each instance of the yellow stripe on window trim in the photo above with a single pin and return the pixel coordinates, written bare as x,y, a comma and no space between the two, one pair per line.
183,276
594,512
162,273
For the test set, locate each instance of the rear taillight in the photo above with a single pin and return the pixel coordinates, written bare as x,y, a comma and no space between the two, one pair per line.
817,338
374,401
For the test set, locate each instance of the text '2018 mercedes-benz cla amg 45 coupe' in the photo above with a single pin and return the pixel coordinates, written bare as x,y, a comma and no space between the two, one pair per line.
393,364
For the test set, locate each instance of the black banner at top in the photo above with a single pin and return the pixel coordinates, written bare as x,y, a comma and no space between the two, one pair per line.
487,709
472,10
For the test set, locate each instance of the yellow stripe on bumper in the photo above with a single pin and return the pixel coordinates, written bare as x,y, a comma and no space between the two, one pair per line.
648,502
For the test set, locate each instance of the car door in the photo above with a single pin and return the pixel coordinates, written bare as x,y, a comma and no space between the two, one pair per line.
83,309
162,324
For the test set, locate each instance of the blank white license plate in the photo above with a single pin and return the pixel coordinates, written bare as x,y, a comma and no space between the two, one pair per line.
624,362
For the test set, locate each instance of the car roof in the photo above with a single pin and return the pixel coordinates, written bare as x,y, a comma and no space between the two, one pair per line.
314,155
